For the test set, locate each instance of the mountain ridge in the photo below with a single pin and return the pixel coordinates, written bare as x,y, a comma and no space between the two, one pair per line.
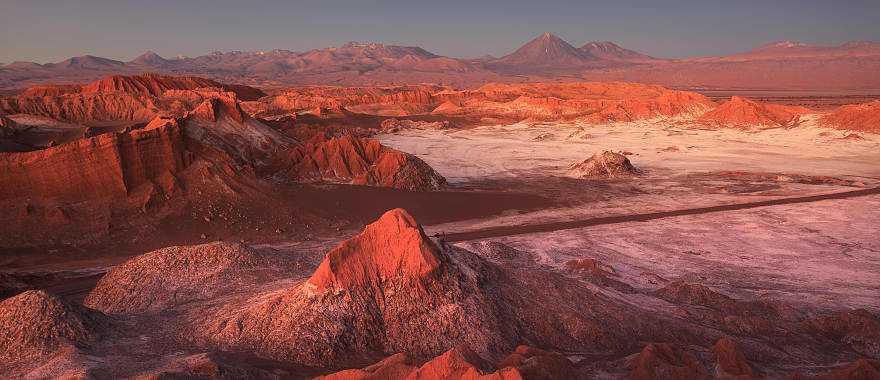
546,57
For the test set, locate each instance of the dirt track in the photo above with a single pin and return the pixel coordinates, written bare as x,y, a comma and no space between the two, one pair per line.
556,226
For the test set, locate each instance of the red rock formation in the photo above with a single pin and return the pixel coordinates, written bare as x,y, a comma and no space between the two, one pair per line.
730,361
744,113
114,165
219,126
393,246
452,365
146,84
156,85
91,107
857,117
694,294
397,366
51,90
447,108
161,122
590,266
169,276
389,289
536,364
603,164
208,366
35,324
587,101
360,161
395,125
115,98
211,110
370,295
389,101
664,361
106,166
591,102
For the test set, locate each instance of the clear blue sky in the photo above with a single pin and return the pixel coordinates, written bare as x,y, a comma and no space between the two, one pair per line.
46,31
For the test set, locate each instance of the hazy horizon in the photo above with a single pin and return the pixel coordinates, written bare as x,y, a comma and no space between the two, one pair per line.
43,32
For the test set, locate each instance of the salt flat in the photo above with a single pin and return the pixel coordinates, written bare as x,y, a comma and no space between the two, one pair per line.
664,147
819,255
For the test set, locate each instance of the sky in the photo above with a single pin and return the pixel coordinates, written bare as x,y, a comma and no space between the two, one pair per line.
49,31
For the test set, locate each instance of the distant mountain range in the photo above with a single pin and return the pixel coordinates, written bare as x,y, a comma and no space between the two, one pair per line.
779,65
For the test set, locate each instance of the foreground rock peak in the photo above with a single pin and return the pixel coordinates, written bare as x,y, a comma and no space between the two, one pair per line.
395,246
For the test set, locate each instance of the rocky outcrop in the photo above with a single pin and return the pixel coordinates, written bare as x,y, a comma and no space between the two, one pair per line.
863,117
386,101
662,361
397,366
148,84
219,126
214,109
84,107
537,364
694,294
452,365
35,324
763,317
739,112
359,161
116,98
363,299
447,108
395,125
394,246
525,363
51,90
170,276
209,365
391,289
114,165
730,362
604,164
585,101
105,166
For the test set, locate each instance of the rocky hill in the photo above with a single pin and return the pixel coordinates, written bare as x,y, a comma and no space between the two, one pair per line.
744,113
857,117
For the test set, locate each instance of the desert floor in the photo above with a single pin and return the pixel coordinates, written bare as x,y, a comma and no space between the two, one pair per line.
783,213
